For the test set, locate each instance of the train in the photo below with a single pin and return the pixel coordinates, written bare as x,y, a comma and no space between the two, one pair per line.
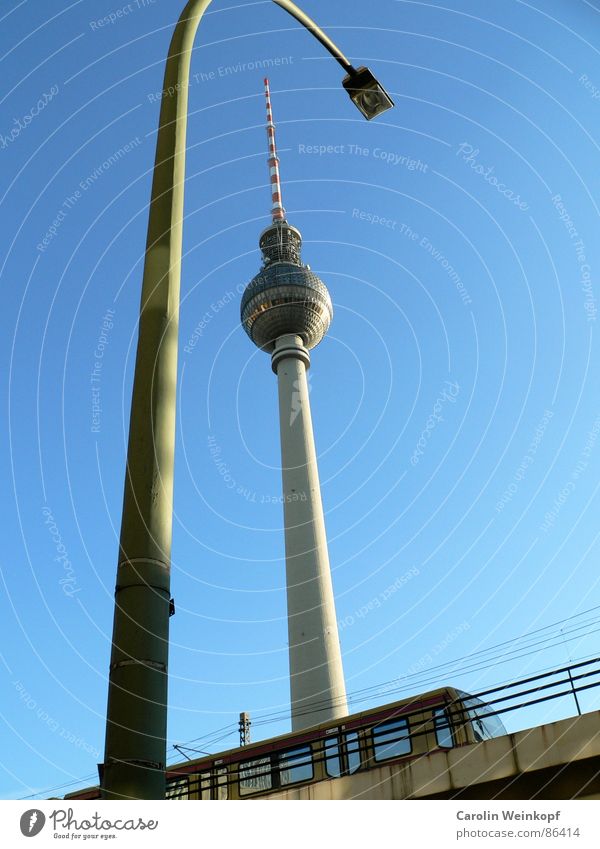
437,720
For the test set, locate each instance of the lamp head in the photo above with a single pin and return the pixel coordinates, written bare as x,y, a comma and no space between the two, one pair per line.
367,93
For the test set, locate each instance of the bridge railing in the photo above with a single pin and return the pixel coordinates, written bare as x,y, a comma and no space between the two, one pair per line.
565,682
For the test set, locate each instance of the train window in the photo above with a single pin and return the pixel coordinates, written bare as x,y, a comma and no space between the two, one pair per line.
177,789
350,758
255,776
295,765
221,788
478,730
333,763
485,723
205,785
352,751
443,731
391,739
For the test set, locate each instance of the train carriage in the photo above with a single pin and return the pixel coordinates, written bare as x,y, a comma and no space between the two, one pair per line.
438,720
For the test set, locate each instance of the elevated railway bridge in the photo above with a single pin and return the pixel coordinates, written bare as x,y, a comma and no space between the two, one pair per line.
443,744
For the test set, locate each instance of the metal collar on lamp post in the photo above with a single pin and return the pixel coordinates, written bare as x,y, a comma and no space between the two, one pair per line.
135,749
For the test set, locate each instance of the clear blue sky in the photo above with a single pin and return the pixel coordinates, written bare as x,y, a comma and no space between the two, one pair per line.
455,399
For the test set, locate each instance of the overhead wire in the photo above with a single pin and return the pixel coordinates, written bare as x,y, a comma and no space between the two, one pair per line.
420,679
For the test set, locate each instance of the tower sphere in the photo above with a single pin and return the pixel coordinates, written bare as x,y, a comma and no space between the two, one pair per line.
285,297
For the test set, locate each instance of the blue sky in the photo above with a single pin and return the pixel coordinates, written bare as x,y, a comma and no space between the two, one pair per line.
455,398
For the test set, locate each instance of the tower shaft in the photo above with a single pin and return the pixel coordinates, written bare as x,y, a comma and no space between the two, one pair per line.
317,686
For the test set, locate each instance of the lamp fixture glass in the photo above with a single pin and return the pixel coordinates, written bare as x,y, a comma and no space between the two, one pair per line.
367,93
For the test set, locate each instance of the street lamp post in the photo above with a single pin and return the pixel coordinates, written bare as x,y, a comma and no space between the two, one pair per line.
136,725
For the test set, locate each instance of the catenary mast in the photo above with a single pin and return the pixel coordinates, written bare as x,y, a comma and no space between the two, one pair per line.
286,310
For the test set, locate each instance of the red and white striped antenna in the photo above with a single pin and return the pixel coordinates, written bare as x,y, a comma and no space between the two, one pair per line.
277,210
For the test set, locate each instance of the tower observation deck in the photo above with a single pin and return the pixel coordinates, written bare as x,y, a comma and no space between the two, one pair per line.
286,310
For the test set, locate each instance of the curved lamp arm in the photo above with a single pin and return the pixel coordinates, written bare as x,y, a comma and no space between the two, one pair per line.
308,22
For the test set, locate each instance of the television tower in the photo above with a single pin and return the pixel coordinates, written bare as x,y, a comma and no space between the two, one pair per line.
286,310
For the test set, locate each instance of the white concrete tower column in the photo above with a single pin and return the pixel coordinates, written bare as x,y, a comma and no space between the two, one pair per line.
317,688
